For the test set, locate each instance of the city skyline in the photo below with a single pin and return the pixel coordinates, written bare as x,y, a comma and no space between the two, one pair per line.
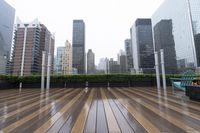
105,28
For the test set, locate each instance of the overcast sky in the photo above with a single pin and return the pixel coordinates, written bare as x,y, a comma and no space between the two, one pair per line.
107,22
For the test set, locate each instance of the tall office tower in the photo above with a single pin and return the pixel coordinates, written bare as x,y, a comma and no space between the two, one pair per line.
30,40
59,61
123,64
185,16
47,44
78,45
90,62
142,41
114,67
129,54
164,39
122,61
7,16
67,59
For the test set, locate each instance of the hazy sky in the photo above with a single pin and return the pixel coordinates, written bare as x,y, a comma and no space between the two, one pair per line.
107,22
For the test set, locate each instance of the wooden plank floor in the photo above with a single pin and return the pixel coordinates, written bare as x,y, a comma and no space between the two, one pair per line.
101,110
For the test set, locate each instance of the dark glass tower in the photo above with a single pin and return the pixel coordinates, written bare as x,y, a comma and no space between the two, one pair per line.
142,41
78,43
164,39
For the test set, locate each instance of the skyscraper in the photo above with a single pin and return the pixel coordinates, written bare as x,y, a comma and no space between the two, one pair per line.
114,67
59,60
30,40
164,39
78,44
142,41
123,64
185,16
67,59
90,62
7,16
122,61
129,54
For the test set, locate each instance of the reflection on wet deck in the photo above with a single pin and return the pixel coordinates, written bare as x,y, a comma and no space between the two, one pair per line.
100,110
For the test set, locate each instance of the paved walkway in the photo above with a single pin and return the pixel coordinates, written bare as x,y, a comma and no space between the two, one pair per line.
101,110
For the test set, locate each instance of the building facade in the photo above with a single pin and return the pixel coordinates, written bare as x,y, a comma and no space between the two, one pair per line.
78,44
163,39
142,44
59,60
30,40
90,62
129,54
185,17
67,59
7,16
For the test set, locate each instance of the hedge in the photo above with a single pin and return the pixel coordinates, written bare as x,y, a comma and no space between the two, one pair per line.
84,78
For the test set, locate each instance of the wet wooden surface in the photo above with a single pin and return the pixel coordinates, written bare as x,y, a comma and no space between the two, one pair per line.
101,110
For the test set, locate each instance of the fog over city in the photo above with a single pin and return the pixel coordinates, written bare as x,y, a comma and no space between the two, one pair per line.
107,22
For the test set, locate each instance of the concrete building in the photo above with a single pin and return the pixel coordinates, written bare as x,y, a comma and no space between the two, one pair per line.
30,40
163,39
67,59
59,60
78,44
185,17
90,62
129,54
7,16
142,44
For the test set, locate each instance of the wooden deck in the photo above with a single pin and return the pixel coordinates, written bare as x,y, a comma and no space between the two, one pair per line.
114,110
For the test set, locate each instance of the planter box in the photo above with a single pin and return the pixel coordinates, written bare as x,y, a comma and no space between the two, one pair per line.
74,85
7,85
193,92
142,83
31,85
119,84
97,84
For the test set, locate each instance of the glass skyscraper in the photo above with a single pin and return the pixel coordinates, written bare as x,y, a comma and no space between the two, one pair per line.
142,43
185,17
7,16
164,39
78,44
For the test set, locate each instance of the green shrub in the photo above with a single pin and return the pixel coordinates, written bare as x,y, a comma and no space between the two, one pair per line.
84,78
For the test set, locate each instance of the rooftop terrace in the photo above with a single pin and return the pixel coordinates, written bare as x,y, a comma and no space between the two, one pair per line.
98,110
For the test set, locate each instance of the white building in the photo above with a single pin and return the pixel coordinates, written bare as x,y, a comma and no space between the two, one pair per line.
67,59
